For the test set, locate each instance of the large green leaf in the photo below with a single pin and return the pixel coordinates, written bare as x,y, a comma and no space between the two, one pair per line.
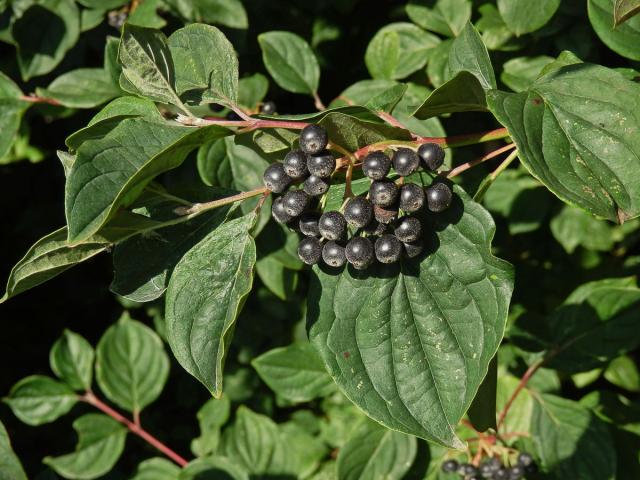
157,469
71,359
100,444
38,399
10,467
573,227
43,34
100,181
373,451
623,38
520,72
82,88
205,295
447,17
524,16
411,343
352,133
230,13
576,129
206,66
623,10
290,61
294,372
570,441
131,364
215,467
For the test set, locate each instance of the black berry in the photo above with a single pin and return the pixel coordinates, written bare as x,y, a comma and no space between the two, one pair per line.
408,229
358,212
268,108
383,193
295,202
278,213
375,228
376,165
466,469
275,178
313,139
501,474
332,225
388,249
405,161
321,164
315,186
310,250
439,197
308,224
411,197
432,155
525,459
450,466
333,254
385,215
359,252
413,249
516,472
488,468
295,164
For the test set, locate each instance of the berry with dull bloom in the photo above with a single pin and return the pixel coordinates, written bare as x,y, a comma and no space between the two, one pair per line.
308,224
275,178
413,249
310,250
450,466
432,156
439,196
383,193
412,197
295,164
359,252
333,254
388,249
358,212
405,161
278,212
313,139
332,225
376,165
315,186
321,164
295,202
408,229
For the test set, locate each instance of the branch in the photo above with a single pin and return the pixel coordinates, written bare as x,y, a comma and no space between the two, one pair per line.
251,123
466,166
33,98
198,208
318,103
523,383
134,428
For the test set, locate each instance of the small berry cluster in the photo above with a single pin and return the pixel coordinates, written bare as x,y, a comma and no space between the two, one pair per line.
379,233
493,469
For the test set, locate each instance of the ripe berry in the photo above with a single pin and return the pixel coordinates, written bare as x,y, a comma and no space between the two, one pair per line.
439,197
275,178
332,225
385,215
525,459
295,164
450,466
359,252
375,228
466,469
405,161
268,108
432,155
488,468
516,472
358,212
408,229
308,224
278,213
388,249
295,202
411,197
313,139
321,164
310,250
501,474
383,193
333,254
315,186
376,165
413,249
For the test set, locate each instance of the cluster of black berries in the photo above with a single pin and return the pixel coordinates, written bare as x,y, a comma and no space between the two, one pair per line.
493,469
378,230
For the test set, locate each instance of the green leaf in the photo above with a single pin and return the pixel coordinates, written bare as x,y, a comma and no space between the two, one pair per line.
623,373
99,174
213,468
127,107
519,73
623,10
573,227
570,441
519,417
280,280
495,33
211,417
205,295
11,111
397,50
82,88
213,165
43,34
10,467
146,14
387,100
131,364
524,16
574,129
368,326
290,61
143,264
447,17
373,451
229,13
294,372
352,133
206,66
469,54
71,359
623,38
252,90
157,468
37,399
103,4
147,64
438,66
100,444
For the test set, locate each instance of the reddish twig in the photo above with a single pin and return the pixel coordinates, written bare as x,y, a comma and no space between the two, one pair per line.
318,103
521,385
466,166
35,99
252,123
134,428
393,121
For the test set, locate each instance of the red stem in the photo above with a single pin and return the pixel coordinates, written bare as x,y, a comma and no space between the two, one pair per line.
521,385
35,99
466,166
134,428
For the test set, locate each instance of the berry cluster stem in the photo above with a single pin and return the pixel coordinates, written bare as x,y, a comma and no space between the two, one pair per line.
198,208
134,427
36,99
466,166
